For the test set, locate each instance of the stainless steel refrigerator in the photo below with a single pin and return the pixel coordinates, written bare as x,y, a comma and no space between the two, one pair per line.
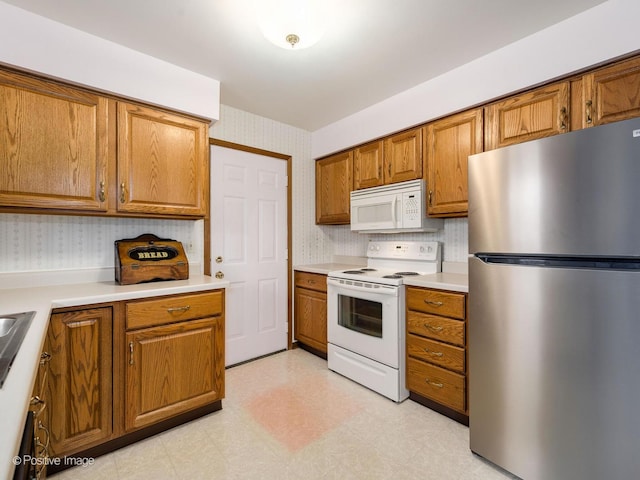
554,305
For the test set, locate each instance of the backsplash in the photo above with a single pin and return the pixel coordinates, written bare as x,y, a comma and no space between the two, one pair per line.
341,241
58,242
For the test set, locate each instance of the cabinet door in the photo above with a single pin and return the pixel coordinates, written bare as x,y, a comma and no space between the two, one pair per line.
311,318
80,384
162,162
540,113
367,166
54,145
449,142
403,156
333,188
172,369
612,94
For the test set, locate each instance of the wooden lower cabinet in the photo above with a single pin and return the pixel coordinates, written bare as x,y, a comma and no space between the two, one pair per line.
116,369
310,300
171,369
436,350
80,379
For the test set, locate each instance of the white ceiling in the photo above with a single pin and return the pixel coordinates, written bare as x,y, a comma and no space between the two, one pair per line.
372,50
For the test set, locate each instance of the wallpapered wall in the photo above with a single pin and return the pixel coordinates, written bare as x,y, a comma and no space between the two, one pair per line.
312,243
55,242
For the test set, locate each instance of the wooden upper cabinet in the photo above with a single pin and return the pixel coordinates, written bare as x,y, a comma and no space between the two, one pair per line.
54,145
403,156
333,189
536,114
162,162
612,93
368,165
449,142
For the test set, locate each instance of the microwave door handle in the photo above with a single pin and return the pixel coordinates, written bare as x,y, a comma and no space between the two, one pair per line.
393,210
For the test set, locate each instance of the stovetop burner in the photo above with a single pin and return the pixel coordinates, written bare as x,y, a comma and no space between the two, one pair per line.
389,261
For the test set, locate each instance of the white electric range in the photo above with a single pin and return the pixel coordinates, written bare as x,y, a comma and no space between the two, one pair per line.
366,314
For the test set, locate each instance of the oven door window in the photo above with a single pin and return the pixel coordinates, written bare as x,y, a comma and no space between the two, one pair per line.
359,315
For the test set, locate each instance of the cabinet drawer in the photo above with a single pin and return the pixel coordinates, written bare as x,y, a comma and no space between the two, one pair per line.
436,327
444,387
172,309
436,301
441,354
312,281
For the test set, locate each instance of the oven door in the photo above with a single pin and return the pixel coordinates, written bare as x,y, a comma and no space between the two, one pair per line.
365,318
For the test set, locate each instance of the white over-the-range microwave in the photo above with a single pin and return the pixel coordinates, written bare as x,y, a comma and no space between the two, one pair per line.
395,208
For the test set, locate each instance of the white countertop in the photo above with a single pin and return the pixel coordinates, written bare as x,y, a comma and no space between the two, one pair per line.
456,282
325,268
448,280
16,391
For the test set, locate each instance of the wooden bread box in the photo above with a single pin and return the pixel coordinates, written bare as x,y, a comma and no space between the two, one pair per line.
148,258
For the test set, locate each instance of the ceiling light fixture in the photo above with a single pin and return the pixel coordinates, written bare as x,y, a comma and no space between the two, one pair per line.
292,24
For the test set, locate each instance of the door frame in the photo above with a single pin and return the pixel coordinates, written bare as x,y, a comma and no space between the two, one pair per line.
207,220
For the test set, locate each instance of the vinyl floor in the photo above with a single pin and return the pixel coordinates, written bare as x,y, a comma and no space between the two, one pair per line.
287,416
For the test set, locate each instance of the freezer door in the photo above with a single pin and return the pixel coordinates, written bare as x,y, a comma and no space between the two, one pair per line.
571,194
554,370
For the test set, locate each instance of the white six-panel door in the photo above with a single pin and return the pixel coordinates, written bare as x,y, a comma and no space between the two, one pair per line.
249,246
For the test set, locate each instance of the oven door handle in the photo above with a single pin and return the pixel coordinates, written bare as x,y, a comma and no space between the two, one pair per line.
381,289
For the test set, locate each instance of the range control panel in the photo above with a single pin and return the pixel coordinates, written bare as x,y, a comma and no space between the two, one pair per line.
429,251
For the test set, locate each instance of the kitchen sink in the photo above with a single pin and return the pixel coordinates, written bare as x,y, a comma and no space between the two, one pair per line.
13,328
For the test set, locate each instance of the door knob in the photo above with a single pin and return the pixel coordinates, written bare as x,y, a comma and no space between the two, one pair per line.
218,259
219,274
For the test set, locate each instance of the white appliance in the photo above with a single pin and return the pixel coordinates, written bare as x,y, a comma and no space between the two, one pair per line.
399,207
366,314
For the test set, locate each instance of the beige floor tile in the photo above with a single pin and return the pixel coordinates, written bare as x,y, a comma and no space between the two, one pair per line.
288,417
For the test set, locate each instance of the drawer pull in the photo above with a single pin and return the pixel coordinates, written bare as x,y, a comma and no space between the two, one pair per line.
432,328
435,304
311,282
435,354
435,384
179,309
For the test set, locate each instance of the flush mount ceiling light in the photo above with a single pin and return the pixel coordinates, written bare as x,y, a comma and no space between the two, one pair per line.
293,24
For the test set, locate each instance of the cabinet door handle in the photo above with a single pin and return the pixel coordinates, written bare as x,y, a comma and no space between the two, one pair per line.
432,328
45,358
431,197
123,191
389,170
562,120
179,309
435,304
101,194
435,384
130,353
435,354
589,105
